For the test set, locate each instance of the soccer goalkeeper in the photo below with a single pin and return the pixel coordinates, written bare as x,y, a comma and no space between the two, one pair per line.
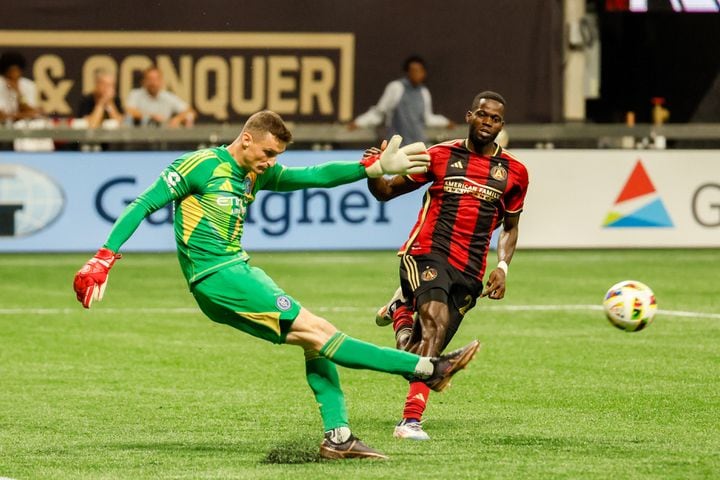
211,190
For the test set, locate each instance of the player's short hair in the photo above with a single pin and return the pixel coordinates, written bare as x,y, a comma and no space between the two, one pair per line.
268,121
488,95
10,59
413,59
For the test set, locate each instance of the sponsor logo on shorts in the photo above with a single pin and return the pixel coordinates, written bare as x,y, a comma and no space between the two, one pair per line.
429,274
283,303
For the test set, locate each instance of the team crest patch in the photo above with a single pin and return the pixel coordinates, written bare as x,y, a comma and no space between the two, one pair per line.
498,172
283,303
429,274
247,184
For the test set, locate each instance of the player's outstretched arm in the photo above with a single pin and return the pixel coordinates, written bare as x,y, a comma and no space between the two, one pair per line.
90,281
394,159
409,159
386,188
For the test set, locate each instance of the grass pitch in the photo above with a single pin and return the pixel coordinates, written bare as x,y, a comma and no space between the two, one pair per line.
144,386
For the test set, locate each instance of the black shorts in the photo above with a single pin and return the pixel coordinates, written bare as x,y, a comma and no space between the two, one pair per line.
431,277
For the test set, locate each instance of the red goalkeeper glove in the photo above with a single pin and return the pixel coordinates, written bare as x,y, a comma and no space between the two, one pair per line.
91,279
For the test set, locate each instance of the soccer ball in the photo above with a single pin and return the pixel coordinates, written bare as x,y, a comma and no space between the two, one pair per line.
630,305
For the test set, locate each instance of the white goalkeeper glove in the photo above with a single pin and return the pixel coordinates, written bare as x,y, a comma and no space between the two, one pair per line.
409,159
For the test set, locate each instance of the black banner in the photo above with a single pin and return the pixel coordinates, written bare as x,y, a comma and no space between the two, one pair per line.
310,61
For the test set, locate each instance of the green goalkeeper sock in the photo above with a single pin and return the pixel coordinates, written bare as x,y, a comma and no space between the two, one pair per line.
353,353
324,381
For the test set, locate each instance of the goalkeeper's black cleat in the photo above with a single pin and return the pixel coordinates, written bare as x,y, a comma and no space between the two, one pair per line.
449,364
352,448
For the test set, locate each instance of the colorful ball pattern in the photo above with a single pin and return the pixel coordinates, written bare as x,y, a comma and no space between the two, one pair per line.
630,305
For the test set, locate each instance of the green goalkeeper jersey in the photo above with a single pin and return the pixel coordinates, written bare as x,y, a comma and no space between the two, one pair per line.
211,195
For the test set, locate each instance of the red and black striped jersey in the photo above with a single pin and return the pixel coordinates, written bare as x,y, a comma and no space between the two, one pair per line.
468,198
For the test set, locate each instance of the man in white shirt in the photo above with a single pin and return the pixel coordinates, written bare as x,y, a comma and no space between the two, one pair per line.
405,106
152,104
18,95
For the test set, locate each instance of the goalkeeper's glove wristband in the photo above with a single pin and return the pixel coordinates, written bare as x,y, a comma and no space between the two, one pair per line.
372,165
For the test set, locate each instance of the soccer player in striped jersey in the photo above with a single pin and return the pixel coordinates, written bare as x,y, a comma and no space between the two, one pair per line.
211,190
475,186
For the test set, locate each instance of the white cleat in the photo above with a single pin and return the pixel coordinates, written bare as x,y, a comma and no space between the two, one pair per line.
384,315
410,431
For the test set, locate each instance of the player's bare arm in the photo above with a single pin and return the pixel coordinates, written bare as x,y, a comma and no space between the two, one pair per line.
387,188
495,287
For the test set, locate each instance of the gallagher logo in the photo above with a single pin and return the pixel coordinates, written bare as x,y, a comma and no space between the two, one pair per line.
29,200
639,204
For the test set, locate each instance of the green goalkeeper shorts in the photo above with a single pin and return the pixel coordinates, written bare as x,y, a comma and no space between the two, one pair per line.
246,298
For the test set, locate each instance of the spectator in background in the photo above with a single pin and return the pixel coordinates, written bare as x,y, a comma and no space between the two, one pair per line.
18,95
405,106
102,104
152,104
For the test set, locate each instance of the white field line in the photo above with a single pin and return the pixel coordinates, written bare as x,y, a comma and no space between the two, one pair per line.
492,308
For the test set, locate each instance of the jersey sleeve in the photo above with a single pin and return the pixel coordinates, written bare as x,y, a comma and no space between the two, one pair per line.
154,198
516,196
420,178
280,178
430,175
184,176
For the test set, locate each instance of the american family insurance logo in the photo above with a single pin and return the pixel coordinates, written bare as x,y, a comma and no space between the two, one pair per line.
639,204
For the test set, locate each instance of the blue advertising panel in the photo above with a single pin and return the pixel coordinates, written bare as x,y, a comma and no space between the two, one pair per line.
67,201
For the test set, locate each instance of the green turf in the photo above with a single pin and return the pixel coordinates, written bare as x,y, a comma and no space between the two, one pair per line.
144,386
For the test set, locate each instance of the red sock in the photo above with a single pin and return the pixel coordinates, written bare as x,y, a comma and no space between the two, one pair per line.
416,400
402,318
